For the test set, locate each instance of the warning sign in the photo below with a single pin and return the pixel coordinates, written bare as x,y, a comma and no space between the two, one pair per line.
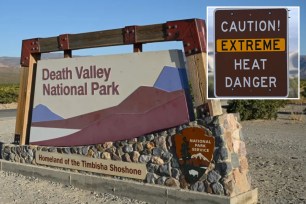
251,53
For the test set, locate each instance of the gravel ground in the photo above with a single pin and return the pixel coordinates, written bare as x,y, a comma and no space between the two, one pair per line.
277,156
276,152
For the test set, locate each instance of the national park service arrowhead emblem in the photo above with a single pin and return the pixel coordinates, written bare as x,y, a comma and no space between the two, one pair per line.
194,149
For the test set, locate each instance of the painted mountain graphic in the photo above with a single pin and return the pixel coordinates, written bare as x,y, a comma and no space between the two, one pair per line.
146,110
199,156
43,113
172,79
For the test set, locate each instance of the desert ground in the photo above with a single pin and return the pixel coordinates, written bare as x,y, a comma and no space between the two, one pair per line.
276,153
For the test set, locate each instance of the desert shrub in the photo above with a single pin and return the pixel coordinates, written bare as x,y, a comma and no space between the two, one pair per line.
9,93
256,109
303,93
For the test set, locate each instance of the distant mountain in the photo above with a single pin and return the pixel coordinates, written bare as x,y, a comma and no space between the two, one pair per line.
43,113
303,67
15,61
9,75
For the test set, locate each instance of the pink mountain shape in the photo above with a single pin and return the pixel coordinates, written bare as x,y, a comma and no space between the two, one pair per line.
139,101
146,110
199,156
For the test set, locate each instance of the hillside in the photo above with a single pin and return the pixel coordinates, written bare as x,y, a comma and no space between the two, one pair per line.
9,75
303,67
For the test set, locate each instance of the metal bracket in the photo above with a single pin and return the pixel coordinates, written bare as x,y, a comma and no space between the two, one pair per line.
29,46
191,32
63,42
129,35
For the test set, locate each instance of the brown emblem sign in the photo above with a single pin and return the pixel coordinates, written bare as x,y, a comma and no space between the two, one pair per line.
194,149
251,53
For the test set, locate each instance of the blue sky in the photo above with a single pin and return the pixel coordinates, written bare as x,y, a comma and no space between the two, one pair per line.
30,19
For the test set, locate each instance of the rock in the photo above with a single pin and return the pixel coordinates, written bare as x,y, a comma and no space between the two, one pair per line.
242,150
217,188
198,186
135,156
194,186
138,147
157,160
161,142
91,153
12,156
165,170
30,153
244,166
128,149
100,148
52,149
235,160
107,145
223,153
24,154
201,187
208,187
217,131
66,150
106,155
172,182
174,163
170,142
13,149
132,141
85,150
119,152
224,168
149,137
111,150
183,183
28,160
22,160
157,151
18,150
228,186
166,156
152,167
171,131
150,146
74,150
17,158
126,157
142,139
151,178
213,176
219,141
115,157
144,158
175,173
161,180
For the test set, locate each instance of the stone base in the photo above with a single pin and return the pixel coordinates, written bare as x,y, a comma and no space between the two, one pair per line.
136,190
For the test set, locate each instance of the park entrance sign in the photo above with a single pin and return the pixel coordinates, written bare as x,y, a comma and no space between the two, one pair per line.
251,53
92,100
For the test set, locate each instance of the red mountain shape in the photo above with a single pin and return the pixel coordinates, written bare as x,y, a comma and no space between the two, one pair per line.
146,110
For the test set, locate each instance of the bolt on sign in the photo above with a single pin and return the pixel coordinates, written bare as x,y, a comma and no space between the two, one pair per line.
194,150
92,100
251,53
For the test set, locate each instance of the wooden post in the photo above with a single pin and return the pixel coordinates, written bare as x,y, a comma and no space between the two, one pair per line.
196,67
20,107
27,98
67,53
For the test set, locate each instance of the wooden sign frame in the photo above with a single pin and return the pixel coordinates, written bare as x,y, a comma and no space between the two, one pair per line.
192,32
